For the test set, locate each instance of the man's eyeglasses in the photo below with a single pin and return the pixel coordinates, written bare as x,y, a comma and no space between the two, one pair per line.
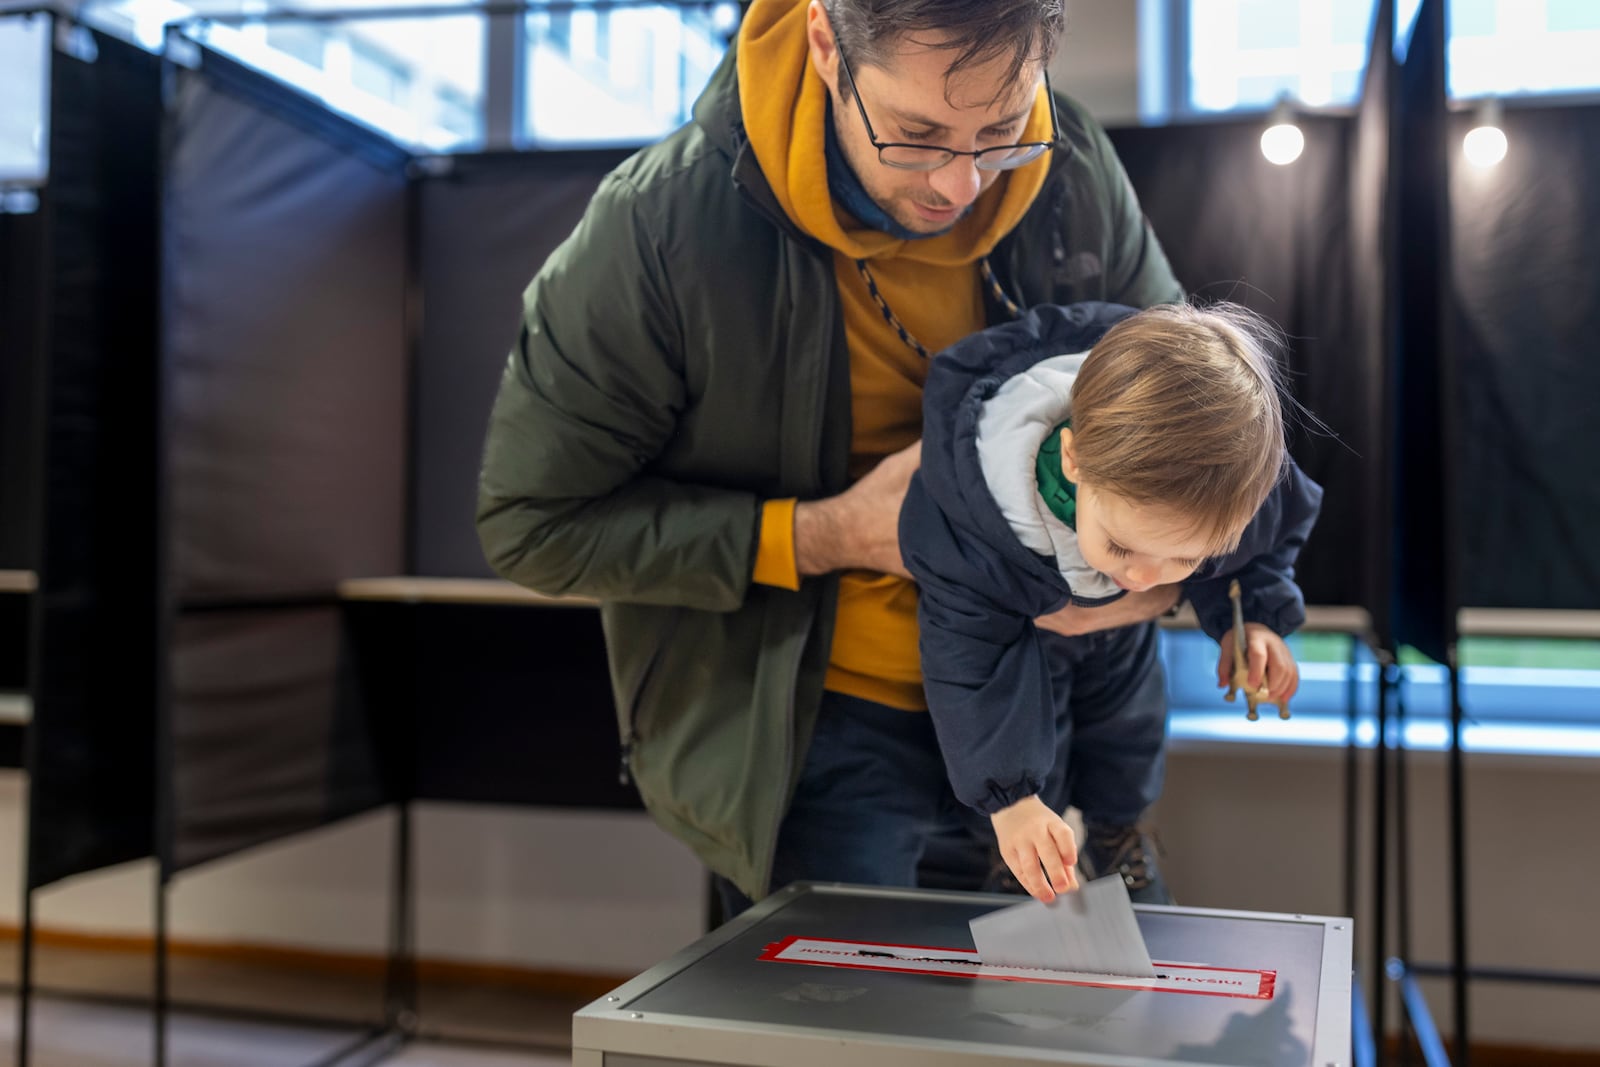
931,157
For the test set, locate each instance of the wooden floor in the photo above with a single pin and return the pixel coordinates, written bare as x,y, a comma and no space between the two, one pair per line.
77,1034
91,1011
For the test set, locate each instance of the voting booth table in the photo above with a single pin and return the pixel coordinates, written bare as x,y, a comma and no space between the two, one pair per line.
852,976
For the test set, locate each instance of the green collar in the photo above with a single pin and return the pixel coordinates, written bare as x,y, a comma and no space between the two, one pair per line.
1060,495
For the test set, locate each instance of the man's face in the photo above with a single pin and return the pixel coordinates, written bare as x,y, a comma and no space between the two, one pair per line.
911,99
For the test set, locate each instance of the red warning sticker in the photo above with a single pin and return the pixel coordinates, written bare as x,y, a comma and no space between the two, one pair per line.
964,963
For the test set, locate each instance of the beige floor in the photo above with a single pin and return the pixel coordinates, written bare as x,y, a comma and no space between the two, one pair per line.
91,1013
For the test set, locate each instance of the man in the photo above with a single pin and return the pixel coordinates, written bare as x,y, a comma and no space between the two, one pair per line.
713,411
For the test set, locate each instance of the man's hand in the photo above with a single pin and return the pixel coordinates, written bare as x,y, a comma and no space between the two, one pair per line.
859,528
1269,661
1072,621
1031,834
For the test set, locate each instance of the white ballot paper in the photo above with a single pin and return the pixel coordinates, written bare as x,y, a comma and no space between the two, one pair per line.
1092,930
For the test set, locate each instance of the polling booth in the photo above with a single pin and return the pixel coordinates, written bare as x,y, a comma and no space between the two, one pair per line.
78,430
324,435
79,447
333,642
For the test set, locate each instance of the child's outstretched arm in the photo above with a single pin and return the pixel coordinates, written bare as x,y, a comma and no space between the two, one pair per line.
1263,563
988,686
1270,604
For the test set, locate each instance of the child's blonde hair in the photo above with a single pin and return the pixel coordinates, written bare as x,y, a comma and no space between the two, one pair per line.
1180,407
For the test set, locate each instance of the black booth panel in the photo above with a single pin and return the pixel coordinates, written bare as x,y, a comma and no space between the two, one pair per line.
22,300
1365,404
1526,338
261,747
285,273
22,303
15,640
91,742
486,228
498,704
285,260
1276,240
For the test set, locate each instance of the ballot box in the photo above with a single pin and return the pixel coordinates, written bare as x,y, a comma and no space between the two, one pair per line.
822,975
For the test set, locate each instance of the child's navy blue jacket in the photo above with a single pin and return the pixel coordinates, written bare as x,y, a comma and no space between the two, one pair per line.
983,661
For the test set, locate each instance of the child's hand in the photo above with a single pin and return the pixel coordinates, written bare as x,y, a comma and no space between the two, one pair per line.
1269,661
1031,834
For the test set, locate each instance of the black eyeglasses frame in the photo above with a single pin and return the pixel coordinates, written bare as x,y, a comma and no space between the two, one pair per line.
950,154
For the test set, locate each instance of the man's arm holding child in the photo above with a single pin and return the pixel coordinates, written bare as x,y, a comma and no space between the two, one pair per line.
1130,610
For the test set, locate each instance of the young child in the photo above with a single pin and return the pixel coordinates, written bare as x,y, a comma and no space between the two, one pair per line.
1053,474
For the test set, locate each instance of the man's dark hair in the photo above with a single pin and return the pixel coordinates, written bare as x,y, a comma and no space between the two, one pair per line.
975,31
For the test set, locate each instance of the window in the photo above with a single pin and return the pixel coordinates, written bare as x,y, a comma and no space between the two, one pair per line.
419,79
1521,695
1227,55
579,74
308,44
25,118
1246,53
1511,47
378,74
625,76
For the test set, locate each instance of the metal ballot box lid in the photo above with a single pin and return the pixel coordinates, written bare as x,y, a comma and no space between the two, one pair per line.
725,1001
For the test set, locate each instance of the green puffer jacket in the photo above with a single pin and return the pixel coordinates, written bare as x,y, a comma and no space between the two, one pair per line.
682,359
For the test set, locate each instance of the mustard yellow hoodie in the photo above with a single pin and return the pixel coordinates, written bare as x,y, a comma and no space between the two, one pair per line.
932,284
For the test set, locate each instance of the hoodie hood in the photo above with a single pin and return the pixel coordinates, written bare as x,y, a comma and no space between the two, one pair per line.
784,103
1011,429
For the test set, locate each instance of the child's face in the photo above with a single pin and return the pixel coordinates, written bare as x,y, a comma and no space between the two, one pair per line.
1138,546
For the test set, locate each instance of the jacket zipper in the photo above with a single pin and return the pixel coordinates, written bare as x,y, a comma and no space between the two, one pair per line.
818,426
624,767
629,735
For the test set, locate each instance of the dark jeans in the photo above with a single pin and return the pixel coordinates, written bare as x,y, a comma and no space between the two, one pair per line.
874,806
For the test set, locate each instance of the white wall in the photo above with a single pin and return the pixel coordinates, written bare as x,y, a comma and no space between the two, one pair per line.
1245,826
597,893
1260,827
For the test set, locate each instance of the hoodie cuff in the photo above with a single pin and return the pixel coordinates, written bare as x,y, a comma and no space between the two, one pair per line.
775,563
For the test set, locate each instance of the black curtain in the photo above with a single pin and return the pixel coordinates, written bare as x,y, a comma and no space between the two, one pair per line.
507,705
22,298
21,267
493,704
285,299
486,225
1426,543
1524,333
1365,397
91,741
1277,239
